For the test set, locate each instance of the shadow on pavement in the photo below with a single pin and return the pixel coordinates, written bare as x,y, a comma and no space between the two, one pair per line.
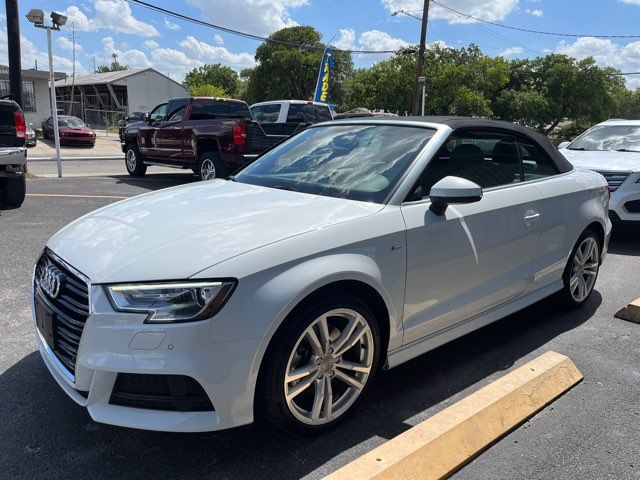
44,434
625,243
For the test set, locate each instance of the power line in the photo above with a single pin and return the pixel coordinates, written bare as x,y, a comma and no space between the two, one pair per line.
528,30
239,33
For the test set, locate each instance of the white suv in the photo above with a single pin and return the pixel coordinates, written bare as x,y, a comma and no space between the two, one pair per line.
612,148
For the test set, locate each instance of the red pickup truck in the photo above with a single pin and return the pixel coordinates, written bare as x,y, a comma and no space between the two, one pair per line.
212,136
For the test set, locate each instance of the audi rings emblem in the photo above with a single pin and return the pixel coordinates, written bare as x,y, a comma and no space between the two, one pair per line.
50,280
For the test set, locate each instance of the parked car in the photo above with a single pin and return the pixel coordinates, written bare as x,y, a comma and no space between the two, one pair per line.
353,246
612,148
287,117
72,131
13,154
31,139
131,118
212,136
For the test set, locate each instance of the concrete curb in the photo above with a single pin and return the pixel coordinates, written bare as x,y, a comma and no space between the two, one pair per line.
448,440
71,159
631,312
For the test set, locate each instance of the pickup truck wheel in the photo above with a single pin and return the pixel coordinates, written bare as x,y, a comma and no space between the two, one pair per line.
211,166
133,162
13,191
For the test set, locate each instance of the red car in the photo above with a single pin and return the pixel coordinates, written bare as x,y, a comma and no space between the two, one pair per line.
73,131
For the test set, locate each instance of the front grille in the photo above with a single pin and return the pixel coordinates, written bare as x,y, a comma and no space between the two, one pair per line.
615,179
70,306
160,392
633,206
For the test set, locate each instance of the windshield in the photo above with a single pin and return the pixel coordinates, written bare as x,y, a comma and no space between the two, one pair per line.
356,162
71,122
624,138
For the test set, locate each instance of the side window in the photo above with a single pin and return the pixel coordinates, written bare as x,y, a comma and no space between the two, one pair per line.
489,159
267,113
158,113
536,163
209,110
176,109
301,112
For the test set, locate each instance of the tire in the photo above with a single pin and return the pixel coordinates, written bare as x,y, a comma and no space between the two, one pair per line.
211,166
13,191
581,271
291,349
133,161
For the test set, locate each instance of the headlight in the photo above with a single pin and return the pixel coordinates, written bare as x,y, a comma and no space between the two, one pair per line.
172,301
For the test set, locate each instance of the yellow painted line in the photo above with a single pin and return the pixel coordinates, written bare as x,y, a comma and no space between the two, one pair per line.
73,196
445,442
631,312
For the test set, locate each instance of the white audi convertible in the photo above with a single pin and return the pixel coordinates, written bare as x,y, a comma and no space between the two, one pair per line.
352,247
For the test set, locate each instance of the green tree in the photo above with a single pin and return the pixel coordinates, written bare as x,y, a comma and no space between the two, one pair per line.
207,90
114,66
289,72
216,75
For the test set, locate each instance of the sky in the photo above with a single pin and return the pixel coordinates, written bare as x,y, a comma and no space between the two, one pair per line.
144,38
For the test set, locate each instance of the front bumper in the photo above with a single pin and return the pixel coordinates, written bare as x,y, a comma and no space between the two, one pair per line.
113,342
624,201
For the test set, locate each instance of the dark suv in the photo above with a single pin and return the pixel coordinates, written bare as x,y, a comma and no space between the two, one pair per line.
212,136
13,154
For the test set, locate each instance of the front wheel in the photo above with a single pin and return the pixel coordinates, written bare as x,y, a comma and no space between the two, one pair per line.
582,269
133,162
319,365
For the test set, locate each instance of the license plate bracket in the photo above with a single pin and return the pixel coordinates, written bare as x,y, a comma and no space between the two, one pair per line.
45,318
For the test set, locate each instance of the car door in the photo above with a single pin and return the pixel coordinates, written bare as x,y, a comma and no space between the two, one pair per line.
169,132
147,132
477,256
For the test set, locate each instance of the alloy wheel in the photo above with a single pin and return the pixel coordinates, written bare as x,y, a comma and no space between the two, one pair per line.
329,366
207,170
584,270
131,160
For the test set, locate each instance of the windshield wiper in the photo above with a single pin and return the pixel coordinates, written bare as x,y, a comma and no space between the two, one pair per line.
577,148
232,178
627,150
283,187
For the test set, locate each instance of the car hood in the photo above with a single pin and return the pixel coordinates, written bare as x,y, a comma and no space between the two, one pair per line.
604,161
174,233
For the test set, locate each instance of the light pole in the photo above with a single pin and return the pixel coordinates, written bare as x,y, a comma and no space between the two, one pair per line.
36,16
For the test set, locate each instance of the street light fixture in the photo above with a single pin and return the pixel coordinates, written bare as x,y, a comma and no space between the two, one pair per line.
36,16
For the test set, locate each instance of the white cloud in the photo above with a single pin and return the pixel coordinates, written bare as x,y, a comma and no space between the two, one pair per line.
170,25
133,58
217,39
173,62
606,53
377,40
113,15
65,44
261,17
507,52
151,44
212,54
536,13
630,2
491,10
346,40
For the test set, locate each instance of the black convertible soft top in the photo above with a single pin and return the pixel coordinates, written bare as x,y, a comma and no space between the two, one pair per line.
464,123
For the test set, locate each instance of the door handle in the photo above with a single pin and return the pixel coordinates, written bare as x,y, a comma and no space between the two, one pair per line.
531,216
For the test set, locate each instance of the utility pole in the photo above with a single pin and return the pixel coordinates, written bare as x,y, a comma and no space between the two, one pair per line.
72,35
420,63
93,60
13,45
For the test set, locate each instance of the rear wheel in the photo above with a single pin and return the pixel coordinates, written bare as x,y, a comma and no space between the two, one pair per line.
133,161
319,365
582,269
211,166
13,191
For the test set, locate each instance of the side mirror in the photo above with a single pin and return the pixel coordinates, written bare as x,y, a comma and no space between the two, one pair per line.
563,145
453,190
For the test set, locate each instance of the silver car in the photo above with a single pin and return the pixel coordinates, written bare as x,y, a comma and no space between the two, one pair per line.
352,247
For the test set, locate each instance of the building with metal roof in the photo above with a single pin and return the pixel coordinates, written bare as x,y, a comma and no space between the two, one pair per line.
104,98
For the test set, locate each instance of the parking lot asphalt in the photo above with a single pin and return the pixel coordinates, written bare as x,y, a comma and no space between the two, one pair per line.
593,431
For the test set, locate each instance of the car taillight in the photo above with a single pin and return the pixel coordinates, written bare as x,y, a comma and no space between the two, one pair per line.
240,135
20,125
